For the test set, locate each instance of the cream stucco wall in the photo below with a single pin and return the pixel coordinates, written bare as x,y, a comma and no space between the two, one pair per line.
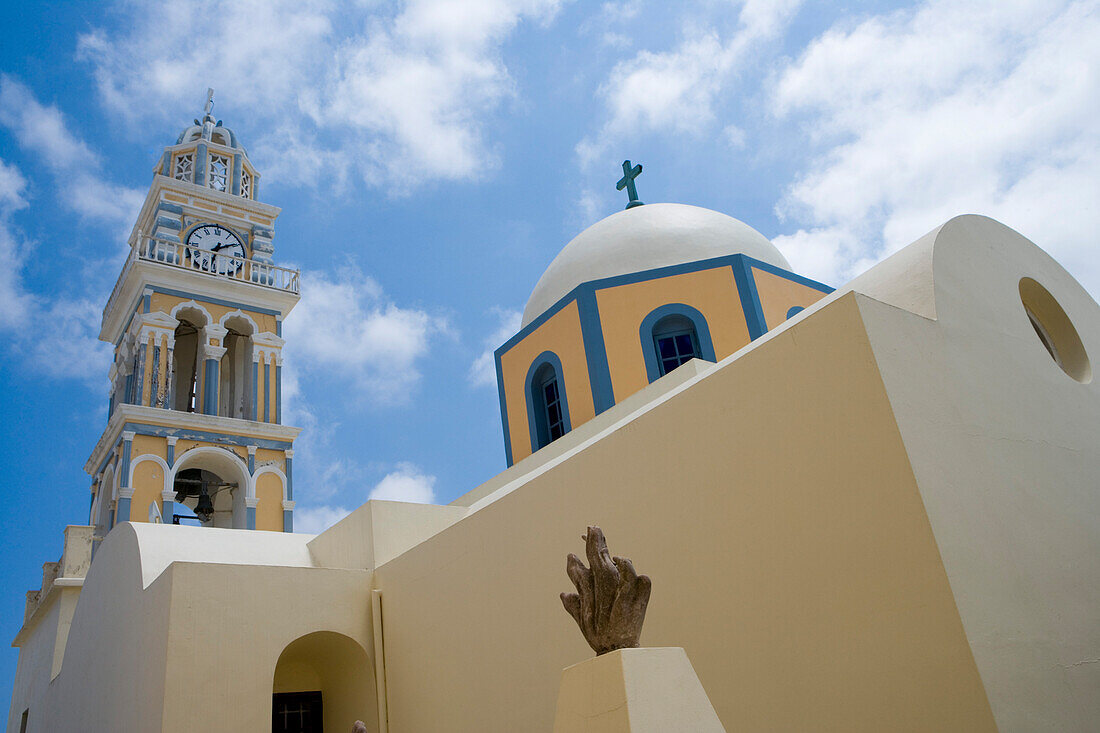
880,515
153,634
772,502
1004,448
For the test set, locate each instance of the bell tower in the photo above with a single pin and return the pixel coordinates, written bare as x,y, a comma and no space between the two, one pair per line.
194,420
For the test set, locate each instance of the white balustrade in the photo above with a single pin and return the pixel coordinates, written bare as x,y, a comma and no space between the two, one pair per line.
215,264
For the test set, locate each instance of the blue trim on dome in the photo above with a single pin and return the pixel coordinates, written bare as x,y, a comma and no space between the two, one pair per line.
741,266
595,352
503,410
766,267
750,299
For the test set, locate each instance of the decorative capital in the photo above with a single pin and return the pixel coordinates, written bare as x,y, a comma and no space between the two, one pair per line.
610,603
251,450
211,352
289,452
288,506
172,439
251,501
128,435
125,492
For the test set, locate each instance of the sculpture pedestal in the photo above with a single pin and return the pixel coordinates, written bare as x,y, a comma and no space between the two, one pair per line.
641,690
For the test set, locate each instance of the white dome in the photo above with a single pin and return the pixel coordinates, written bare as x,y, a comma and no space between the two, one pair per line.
644,238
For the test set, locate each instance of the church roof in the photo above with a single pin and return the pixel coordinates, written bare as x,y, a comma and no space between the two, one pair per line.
643,238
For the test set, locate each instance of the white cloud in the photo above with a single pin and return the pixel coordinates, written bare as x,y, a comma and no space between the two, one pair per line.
15,302
43,131
483,372
406,483
314,520
674,92
397,97
57,336
346,326
949,108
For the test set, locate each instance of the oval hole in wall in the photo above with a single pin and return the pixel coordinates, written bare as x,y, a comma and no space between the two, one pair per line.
1055,330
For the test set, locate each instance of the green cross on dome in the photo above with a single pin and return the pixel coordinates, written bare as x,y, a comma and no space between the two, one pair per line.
627,182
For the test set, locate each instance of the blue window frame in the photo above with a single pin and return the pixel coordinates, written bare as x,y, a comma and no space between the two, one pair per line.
547,406
671,336
551,402
676,342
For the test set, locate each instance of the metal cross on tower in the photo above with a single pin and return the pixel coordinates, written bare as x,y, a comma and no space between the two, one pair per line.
627,182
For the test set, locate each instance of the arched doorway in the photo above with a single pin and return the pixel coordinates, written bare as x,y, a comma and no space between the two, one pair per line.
323,682
213,483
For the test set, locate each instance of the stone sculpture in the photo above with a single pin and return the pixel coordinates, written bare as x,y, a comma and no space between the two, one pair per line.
610,602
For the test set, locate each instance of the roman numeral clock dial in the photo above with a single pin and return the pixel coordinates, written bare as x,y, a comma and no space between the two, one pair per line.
214,248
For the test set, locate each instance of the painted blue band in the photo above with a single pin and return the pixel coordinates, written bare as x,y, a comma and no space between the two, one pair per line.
267,392
503,411
595,353
200,164
750,299
236,187
288,520
122,511
278,394
250,517
289,478
210,388
255,389
124,466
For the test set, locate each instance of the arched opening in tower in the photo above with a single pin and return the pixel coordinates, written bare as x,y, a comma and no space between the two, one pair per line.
235,374
185,366
207,495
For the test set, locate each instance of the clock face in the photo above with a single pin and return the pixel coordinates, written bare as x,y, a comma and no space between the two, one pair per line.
215,249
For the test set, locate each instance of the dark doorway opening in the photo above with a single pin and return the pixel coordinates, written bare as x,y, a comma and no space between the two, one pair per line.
296,712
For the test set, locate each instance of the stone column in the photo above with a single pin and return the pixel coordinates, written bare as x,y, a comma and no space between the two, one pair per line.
125,491
211,351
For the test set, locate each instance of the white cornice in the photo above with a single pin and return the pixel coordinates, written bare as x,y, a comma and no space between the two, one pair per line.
142,274
162,183
174,419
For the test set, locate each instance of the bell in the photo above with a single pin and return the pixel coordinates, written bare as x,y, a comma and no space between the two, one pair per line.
205,508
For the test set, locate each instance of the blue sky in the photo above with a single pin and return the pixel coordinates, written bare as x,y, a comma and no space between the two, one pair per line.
432,157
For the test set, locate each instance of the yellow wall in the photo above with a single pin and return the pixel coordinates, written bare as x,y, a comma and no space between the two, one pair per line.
561,334
149,444
622,309
269,510
778,295
785,534
148,484
267,456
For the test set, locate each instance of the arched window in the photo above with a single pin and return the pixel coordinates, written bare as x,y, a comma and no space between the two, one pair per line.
547,407
235,374
673,335
676,342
